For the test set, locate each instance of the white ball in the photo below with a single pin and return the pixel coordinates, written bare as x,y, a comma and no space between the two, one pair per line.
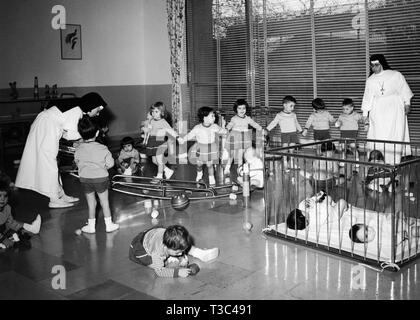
78,232
232,196
247,226
155,214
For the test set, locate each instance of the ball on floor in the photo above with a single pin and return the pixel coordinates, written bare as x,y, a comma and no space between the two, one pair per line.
194,269
155,213
247,226
180,201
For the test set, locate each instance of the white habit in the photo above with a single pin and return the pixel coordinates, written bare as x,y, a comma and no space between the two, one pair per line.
384,98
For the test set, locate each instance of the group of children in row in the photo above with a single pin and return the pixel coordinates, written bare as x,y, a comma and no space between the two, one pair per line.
238,136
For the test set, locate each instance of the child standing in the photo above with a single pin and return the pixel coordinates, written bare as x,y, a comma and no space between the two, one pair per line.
128,158
156,246
348,122
289,125
10,228
93,161
320,119
240,137
156,140
207,145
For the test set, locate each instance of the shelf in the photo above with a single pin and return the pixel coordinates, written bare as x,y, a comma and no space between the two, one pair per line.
41,99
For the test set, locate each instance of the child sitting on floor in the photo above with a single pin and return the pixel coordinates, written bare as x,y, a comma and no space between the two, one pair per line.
11,230
128,158
157,247
256,169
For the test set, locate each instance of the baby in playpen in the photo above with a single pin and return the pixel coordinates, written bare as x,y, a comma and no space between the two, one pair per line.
325,173
361,225
378,178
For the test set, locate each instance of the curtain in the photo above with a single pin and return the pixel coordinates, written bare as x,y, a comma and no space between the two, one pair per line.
176,21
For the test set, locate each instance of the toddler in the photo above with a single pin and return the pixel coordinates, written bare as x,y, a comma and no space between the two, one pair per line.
320,119
128,158
207,149
348,122
93,161
156,140
325,173
158,248
240,136
11,230
378,178
289,126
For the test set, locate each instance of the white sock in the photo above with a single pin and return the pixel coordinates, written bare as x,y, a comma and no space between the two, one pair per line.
212,180
199,175
34,226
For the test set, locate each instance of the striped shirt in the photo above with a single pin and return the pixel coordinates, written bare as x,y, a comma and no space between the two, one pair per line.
241,124
320,120
153,244
287,122
350,121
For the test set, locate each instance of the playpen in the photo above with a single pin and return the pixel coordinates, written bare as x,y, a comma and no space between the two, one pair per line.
380,197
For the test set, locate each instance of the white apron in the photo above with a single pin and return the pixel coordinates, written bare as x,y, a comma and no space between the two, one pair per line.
384,98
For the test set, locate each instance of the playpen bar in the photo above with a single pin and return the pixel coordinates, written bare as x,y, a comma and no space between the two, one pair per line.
305,190
393,235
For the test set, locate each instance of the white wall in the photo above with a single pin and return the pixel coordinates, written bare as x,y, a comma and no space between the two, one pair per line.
124,42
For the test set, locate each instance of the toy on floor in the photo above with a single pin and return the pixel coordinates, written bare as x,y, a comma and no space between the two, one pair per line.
180,201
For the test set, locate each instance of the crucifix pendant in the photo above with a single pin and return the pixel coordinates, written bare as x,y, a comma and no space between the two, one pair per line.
382,88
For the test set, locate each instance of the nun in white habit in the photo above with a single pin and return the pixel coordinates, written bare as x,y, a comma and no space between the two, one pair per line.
386,101
38,170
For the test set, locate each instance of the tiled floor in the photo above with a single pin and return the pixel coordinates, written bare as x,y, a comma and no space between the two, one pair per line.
250,265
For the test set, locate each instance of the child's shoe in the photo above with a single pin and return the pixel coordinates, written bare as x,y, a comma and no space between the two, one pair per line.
204,254
110,226
168,172
89,227
35,226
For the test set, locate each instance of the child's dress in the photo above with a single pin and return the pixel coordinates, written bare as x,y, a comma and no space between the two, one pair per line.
240,137
157,137
207,147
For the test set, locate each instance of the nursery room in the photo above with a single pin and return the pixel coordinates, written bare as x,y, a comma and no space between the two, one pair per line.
211,150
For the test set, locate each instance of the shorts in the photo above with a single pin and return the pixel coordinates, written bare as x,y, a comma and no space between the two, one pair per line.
98,185
352,134
322,134
289,137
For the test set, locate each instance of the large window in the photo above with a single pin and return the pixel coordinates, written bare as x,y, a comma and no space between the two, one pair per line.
262,50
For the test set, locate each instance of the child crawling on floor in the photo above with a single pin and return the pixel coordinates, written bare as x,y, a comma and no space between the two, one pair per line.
166,251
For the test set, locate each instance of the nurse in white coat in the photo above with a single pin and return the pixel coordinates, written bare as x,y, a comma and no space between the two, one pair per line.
386,100
38,170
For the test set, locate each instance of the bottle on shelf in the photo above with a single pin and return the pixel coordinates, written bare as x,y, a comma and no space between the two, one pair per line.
36,89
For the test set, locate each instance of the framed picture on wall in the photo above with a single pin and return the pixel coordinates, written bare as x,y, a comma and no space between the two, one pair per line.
71,42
